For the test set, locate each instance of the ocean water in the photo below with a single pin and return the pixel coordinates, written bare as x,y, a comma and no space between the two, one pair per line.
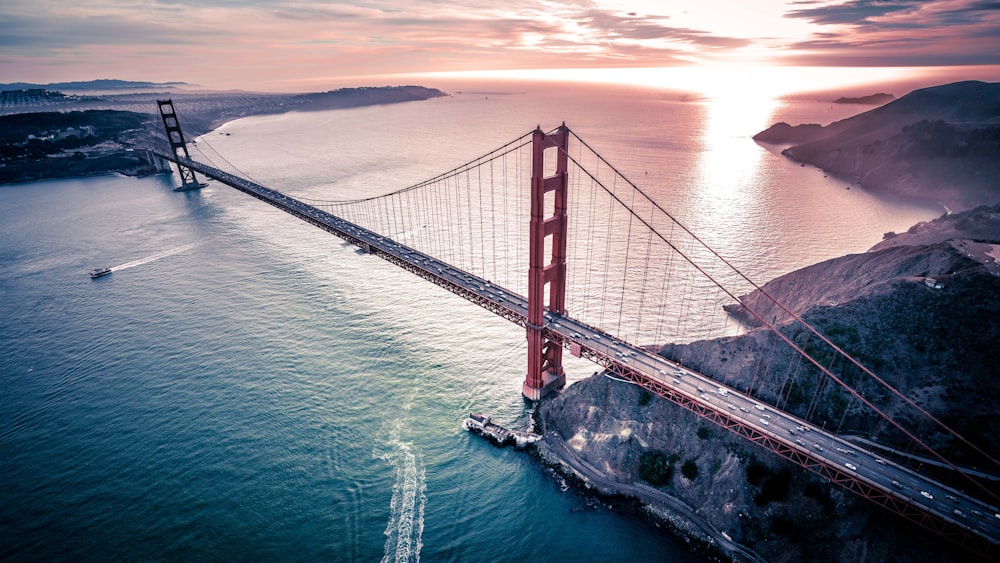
247,387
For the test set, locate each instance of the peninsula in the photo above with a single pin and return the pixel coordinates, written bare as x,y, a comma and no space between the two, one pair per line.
940,143
95,134
872,100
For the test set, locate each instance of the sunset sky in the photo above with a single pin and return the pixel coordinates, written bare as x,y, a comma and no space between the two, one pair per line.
282,45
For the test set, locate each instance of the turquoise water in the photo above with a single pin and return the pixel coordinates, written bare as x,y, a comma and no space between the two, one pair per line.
246,387
237,397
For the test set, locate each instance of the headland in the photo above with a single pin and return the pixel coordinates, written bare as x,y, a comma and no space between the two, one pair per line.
49,134
940,144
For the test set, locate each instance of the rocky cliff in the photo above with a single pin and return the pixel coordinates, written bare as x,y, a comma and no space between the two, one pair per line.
934,342
940,143
774,508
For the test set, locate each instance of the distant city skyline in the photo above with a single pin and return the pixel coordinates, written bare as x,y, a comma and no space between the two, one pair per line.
280,45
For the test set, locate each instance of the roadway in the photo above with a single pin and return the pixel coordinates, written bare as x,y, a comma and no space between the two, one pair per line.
945,502
843,461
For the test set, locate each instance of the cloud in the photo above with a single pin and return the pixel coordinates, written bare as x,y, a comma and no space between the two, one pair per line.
55,32
882,15
900,33
856,12
610,26
246,41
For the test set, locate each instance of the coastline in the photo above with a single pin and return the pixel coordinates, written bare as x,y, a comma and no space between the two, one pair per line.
947,206
916,146
120,148
663,509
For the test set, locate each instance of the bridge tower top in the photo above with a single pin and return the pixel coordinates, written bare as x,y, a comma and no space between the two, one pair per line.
177,145
545,371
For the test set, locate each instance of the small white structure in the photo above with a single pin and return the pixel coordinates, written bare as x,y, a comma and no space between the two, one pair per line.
484,426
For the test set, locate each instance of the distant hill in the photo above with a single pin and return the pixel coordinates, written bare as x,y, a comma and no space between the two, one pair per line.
873,100
100,133
102,84
940,143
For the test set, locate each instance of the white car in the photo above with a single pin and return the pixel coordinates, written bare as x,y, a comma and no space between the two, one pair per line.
758,407
851,466
926,495
764,422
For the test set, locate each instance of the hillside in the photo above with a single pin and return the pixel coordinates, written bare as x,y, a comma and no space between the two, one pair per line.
79,135
37,146
872,100
100,84
935,344
940,143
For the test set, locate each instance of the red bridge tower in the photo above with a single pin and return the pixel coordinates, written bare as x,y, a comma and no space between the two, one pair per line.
546,280
178,146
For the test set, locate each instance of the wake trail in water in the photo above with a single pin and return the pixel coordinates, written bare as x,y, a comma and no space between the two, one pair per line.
406,509
156,256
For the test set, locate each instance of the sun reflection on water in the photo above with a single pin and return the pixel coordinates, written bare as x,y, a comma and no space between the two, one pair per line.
729,165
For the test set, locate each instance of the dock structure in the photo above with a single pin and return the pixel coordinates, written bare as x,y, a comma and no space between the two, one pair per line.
483,425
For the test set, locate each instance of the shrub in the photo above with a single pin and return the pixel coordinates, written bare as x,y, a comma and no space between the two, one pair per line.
775,488
756,472
655,468
690,469
644,398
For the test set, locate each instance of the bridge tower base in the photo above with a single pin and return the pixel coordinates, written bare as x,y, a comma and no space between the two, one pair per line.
545,371
178,146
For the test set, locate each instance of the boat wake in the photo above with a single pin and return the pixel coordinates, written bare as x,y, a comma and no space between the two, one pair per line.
156,256
406,509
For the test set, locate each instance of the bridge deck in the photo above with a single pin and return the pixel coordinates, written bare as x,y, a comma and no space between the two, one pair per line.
938,507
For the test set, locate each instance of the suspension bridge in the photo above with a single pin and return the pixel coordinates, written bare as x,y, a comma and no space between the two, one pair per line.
497,231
